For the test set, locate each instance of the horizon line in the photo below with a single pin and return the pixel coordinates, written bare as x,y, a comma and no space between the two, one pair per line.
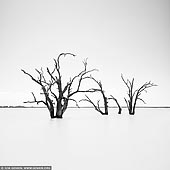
166,107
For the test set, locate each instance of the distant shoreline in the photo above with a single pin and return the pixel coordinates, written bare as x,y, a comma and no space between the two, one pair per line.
84,107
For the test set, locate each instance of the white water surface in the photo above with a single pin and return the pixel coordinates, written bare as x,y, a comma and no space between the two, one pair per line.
86,140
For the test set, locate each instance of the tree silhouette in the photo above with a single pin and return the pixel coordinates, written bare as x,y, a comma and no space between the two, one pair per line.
105,99
56,95
118,105
134,95
97,106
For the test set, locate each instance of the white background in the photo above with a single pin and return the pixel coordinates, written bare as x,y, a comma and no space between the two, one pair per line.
117,36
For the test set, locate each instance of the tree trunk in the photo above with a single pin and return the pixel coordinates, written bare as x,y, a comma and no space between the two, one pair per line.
106,111
131,112
105,104
120,110
51,110
61,108
52,113
50,107
59,114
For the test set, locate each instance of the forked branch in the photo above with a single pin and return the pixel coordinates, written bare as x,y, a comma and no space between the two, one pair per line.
105,99
96,106
35,100
80,77
133,95
56,95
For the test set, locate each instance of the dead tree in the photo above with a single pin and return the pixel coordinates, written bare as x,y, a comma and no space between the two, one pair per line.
105,99
134,95
56,95
118,105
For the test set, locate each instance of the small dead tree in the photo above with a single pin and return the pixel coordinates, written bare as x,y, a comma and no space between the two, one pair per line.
105,99
118,105
56,95
134,95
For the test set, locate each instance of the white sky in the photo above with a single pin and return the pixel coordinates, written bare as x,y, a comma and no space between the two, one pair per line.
118,36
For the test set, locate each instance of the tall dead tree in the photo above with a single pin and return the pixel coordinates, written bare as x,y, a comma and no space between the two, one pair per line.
56,95
134,95
105,99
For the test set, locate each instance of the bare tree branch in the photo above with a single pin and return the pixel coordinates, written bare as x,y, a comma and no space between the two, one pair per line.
81,76
75,102
31,77
133,95
35,100
96,107
100,89
113,98
53,89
